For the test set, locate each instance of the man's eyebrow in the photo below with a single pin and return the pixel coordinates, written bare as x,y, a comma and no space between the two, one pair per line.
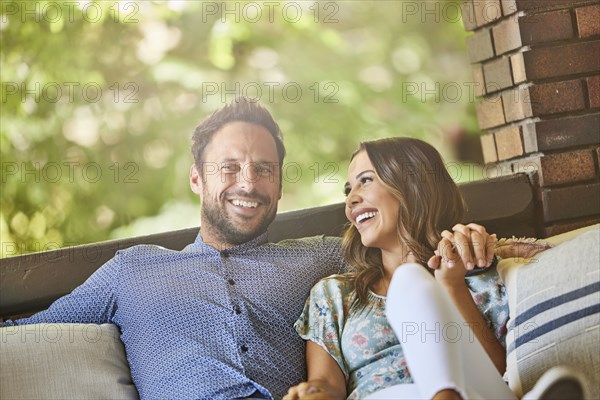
265,162
251,162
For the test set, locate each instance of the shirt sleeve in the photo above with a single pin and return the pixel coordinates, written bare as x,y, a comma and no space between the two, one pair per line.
322,320
489,294
93,302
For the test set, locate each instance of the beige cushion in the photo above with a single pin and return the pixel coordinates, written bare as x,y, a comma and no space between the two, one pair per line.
554,299
63,361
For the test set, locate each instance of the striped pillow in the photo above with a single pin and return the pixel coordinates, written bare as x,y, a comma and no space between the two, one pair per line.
554,302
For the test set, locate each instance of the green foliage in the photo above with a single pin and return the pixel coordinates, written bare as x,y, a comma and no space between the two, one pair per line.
99,101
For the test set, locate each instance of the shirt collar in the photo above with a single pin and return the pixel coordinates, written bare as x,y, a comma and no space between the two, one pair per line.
240,248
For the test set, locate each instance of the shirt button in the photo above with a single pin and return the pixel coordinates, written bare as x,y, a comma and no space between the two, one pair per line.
237,310
244,348
231,282
225,254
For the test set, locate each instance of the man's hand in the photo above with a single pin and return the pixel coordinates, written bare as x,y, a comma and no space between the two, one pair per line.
316,389
463,249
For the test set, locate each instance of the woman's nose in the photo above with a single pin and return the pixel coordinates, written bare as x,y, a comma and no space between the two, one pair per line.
353,198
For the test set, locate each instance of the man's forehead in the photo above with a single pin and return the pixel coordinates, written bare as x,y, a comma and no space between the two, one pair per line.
242,141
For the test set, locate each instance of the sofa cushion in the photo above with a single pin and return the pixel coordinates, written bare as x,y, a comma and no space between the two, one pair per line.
554,302
64,361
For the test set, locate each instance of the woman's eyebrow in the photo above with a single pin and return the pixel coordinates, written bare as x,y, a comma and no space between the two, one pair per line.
364,172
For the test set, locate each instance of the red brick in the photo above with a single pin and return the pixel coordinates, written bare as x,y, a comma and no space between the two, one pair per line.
546,27
571,202
558,61
478,81
593,89
508,143
488,147
497,74
556,97
557,229
479,46
539,5
489,113
568,167
486,11
561,133
468,15
517,104
514,32
543,99
588,21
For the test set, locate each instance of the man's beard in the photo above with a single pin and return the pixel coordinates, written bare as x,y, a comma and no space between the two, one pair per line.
228,231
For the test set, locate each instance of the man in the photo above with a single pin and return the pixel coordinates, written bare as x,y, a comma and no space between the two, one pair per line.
215,320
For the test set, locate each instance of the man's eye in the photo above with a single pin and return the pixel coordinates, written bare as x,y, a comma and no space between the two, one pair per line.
265,170
234,168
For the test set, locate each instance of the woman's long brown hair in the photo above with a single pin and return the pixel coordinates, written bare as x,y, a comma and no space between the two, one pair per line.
428,202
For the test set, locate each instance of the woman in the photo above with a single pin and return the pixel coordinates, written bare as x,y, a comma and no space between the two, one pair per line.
399,197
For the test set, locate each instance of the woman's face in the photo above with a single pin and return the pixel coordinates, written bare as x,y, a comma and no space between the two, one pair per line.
370,207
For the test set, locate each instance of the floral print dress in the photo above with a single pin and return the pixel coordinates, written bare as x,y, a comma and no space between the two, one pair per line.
361,340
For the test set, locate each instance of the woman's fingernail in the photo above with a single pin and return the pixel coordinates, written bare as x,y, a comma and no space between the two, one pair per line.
312,389
469,265
481,262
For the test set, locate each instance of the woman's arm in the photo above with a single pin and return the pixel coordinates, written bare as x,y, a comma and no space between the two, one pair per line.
453,249
325,377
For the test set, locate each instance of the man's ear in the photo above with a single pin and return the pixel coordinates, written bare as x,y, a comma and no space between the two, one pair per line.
195,180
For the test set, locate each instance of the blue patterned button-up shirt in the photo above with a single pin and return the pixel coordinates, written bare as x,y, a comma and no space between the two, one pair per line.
204,324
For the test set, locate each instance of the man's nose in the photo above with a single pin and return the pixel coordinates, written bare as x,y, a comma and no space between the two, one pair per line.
248,177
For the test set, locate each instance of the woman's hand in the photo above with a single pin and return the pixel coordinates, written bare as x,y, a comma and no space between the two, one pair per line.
313,390
463,249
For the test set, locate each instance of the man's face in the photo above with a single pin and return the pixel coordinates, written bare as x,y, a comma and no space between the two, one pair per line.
239,184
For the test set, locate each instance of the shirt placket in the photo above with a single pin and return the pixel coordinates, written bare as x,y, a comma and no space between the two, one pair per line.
237,308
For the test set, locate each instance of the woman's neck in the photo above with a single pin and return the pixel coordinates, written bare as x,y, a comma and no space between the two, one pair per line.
391,261
394,258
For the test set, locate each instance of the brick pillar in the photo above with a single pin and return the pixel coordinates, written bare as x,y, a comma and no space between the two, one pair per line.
536,68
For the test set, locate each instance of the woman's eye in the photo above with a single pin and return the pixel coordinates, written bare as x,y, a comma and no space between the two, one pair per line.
346,191
366,179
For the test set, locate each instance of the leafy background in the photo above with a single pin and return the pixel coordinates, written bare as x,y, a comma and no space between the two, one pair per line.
99,101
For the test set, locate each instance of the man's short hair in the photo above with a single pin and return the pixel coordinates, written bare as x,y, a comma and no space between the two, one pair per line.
241,109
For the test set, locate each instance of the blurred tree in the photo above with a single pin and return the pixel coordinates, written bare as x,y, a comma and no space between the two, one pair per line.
99,100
